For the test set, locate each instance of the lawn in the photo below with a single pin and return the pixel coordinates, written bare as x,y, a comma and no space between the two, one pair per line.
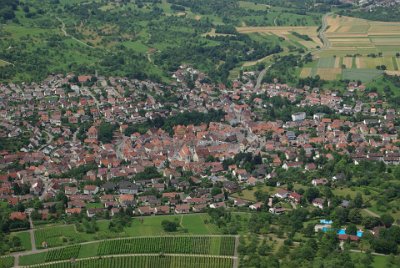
248,194
352,192
378,261
253,6
25,239
33,259
326,62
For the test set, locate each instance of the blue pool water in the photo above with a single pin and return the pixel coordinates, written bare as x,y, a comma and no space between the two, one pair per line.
341,231
325,222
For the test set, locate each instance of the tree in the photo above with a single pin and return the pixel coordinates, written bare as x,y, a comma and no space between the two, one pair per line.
367,259
387,220
170,226
358,201
386,246
311,193
105,133
355,216
309,230
370,222
340,215
351,229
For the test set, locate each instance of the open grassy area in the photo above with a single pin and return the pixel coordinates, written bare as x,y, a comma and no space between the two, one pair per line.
378,261
150,226
248,194
25,239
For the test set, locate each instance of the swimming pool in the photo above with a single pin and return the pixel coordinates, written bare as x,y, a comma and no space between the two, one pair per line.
341,231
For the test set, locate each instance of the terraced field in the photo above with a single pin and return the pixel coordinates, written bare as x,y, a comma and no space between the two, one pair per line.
166,261
178,245
357,47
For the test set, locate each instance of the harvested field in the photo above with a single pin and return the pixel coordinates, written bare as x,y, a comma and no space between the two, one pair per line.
348,62
375,44
329,73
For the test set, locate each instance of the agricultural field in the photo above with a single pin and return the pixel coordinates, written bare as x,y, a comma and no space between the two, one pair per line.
6,262
67,234
199,245
286,33
357,47
147,261
179,244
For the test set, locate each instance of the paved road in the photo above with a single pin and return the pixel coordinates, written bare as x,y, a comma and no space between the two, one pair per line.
32,234
326,44
322,33
261,76
88,92
50,139
373,253
74,136
236,260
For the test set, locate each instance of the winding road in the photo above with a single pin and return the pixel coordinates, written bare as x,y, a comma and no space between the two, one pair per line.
322,33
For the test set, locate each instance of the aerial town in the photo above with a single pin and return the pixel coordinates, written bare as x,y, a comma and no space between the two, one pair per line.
59,124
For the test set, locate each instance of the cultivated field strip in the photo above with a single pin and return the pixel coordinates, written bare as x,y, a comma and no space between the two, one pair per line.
210,245
145,261
185,245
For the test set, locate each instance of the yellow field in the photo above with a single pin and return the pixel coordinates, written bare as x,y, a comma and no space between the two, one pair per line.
350,36
393,73
213,33
285,31
305,72
329,73
348,62
347,36
337,62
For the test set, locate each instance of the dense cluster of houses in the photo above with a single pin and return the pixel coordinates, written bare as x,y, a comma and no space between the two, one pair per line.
46,119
